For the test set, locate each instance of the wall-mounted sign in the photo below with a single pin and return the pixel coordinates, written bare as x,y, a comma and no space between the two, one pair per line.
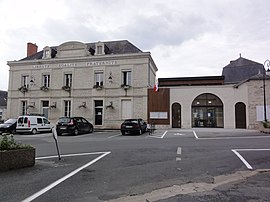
260,112
158,115
41,66
97,63
63,65
68,65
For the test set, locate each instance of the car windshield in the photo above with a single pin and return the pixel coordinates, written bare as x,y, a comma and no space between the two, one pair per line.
10,121
131,121
64,120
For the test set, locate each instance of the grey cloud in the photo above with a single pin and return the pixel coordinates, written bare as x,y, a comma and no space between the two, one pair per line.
168,28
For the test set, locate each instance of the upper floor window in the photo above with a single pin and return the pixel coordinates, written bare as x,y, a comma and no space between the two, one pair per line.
46,80
25,81
68,80
126,78
47,52
98,79
99,50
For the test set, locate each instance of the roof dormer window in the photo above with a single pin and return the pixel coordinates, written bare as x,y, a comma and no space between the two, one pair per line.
47,52
99,49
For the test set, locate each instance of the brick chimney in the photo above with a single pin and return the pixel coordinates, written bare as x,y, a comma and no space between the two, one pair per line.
31,49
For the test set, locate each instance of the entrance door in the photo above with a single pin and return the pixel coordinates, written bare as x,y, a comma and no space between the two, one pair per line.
240,115
98,112
45,108
176,115
207,111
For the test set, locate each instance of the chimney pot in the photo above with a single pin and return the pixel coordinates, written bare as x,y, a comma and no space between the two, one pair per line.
31,49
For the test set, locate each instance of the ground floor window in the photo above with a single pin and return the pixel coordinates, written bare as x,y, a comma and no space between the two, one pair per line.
67,109
126,109
23,107
207,111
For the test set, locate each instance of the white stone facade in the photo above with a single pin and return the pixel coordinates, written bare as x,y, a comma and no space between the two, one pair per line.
105,105
250,93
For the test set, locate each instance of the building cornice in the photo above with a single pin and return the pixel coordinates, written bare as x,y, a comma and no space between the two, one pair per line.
82,59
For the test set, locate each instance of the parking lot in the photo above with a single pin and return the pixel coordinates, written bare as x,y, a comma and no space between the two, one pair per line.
168,165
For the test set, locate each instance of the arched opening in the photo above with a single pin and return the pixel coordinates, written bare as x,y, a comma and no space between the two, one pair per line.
240,115
207,111
176,115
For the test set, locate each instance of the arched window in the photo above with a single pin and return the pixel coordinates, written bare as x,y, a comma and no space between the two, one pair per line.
207,111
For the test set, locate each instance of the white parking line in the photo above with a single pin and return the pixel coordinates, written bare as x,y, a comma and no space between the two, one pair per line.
224,138
69,155
179,152
164,134
114,136
195,134
242,159
161,137
44,190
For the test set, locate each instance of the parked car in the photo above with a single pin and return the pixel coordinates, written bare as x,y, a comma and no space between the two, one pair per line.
33,124
73,125
9,126
131,126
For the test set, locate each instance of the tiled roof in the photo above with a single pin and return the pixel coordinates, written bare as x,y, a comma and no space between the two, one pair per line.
3,98
241,69
114,47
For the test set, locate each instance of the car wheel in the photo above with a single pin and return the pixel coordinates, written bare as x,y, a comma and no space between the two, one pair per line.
34,131
123,132
91,129
76,131
13,131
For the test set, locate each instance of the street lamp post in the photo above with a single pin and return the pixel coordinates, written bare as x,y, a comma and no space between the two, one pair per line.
265,72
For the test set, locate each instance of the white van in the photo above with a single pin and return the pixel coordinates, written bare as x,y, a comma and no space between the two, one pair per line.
33,124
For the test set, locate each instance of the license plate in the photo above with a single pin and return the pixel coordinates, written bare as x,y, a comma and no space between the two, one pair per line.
129,127
63,128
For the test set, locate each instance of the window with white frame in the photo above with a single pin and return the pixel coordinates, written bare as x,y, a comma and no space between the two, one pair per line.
67,109
98,79
126,78
68,80
25,81
126,109
23,107
46,80
99,50
47,53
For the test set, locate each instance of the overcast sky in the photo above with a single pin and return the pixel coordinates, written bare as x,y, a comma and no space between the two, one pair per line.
185,37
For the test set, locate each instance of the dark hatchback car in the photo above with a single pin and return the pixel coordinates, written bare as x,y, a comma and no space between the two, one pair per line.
73,125
9,126
133,126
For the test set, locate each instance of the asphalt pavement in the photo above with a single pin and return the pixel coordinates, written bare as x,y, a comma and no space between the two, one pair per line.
168,165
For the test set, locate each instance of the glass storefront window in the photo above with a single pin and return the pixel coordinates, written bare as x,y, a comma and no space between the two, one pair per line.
207,111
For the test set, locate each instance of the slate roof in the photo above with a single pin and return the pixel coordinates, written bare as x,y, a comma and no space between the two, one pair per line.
241,69
3,98
113,47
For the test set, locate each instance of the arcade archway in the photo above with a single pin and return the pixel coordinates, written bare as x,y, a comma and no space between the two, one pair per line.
207,111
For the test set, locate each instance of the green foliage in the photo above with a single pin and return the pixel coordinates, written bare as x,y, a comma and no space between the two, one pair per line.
7,142
266,124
